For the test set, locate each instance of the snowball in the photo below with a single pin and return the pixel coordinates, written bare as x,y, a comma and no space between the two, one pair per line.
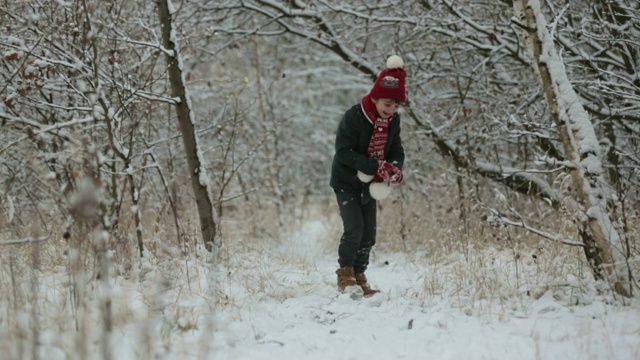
379,191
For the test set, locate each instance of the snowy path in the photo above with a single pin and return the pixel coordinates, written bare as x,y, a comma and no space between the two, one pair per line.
295,312
323,325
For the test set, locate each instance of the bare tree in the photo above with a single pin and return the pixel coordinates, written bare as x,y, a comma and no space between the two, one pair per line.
199,179
604,247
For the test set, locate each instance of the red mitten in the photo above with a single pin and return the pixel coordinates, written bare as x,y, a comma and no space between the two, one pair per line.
396,175
384,172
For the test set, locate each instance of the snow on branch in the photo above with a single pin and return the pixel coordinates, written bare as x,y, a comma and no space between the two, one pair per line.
521,180
512,49
330,42
154,45
54,128
601,237
516,179
570,108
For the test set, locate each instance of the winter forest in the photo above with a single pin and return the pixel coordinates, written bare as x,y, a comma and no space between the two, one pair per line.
164,182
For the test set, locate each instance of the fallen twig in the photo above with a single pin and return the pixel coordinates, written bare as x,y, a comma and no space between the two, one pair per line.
26,240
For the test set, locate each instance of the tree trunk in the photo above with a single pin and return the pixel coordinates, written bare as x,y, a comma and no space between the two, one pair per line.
186,118
604,248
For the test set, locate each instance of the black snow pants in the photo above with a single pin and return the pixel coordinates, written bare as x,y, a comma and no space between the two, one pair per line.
359,221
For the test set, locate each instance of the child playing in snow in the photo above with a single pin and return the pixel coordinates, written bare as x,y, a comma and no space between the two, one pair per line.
368,159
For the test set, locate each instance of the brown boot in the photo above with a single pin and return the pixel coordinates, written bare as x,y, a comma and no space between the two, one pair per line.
361,280
346,278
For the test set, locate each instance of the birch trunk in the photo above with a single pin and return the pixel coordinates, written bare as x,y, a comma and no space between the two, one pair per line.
186,118
604,248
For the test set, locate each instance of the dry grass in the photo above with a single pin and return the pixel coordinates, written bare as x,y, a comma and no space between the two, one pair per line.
50,292
466,259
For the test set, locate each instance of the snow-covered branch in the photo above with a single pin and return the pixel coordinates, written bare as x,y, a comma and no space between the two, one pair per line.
600,236
330,41
521,180
517,179
40,128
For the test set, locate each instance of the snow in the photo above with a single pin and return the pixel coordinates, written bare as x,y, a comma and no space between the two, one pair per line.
10,209
277,300
171,8
16,41
30,71
64,3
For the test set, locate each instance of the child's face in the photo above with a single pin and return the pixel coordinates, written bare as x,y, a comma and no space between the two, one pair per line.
386,107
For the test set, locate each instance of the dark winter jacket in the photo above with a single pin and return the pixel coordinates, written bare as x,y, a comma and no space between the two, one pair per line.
352,141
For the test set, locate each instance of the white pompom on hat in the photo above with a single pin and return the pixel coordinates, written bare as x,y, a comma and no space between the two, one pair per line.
364,177
379,191
394,61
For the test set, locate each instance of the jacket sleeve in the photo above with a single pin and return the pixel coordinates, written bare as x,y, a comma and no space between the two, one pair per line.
347,136
395,155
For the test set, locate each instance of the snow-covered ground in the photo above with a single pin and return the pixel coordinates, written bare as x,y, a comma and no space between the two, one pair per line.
280,302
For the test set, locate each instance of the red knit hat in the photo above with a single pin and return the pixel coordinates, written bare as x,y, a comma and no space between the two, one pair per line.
390,82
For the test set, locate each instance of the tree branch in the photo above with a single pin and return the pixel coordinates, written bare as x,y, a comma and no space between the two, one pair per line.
497,220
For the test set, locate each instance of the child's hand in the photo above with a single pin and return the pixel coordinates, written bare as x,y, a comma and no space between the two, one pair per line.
396,175
384,172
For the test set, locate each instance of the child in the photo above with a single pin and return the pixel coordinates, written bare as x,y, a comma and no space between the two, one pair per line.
367,160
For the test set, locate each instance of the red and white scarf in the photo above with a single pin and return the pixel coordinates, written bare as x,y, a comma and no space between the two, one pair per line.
380,133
